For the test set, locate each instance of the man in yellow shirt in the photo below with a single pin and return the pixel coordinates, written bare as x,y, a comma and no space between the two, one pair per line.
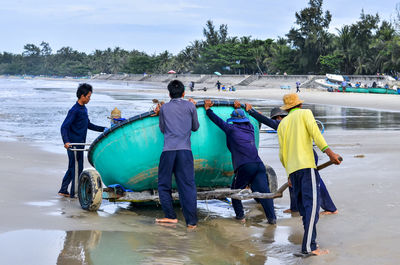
296,134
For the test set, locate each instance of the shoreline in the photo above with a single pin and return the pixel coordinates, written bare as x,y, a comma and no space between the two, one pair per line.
385,102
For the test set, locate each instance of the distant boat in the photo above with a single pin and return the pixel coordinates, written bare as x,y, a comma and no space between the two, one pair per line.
375,90
331,82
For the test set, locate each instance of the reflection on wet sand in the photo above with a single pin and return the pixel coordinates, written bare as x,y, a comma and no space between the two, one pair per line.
77,247
215,241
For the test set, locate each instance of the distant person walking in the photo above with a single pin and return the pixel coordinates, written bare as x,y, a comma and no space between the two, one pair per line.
178,118
74,130
296,133
191,86
218,84
298,86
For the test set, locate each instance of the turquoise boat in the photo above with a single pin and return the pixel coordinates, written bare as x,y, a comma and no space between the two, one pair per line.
381,90
128,154
356,90
374,90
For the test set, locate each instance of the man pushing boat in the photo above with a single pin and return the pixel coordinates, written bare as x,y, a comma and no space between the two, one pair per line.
277,115
248,167
178,118
296,133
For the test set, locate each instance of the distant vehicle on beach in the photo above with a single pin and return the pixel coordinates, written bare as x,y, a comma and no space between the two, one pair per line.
331,82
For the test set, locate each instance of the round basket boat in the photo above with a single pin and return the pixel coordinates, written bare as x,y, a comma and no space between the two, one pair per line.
128,154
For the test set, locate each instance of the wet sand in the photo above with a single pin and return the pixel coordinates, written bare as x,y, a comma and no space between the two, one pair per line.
364,232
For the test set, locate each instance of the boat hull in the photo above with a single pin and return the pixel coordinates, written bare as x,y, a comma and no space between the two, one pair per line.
374,90
129,153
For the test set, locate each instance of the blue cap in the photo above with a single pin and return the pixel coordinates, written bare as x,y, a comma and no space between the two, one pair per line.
238,116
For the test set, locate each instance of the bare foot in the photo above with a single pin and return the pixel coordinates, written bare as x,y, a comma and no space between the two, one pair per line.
287,211
319,252
63,194
329,213
242,220
191,227
167,220
167,225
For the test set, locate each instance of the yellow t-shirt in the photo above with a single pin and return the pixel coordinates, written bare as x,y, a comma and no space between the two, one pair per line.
296,134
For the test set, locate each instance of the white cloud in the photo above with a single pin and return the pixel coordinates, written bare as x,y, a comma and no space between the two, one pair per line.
142,24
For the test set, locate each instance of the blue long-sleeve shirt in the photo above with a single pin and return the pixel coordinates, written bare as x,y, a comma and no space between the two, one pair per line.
76,124
273,124
240,140
264,120
178,118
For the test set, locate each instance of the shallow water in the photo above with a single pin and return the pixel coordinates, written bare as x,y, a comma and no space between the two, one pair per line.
33,110
217,240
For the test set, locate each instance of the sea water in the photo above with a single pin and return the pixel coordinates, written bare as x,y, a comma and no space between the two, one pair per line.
33,110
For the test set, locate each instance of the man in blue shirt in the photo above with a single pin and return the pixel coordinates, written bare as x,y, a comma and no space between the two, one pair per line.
248,167
178,118
74,130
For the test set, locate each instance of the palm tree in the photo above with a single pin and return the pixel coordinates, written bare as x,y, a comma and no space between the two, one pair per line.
346,45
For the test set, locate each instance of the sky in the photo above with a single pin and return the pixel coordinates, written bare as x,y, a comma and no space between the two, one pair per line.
154,26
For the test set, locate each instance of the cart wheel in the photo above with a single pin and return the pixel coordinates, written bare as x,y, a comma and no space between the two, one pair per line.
90,190
272,179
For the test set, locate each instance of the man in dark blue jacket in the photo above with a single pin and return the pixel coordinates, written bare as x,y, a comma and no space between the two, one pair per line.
74,130
248,167
276,116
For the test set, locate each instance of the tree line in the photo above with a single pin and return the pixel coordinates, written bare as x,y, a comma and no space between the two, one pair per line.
368,46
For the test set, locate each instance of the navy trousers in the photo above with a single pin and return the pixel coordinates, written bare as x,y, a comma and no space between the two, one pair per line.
179,163
306,190
253,174
326,200
69,176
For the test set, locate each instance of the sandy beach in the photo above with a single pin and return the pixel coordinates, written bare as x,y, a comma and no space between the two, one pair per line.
313,96
364,189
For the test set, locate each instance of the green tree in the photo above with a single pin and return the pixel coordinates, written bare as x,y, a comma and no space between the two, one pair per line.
311,38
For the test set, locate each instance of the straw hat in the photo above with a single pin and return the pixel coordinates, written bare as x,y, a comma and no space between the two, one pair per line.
115,113
290,101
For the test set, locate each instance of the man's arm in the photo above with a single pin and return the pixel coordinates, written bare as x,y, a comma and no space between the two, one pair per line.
258,116
96,128
161,122
214,118
217,120
280,140
314,131
319,140
195,120
66,125
263,119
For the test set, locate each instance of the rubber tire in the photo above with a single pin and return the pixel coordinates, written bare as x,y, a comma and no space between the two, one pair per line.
272,179
90,190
